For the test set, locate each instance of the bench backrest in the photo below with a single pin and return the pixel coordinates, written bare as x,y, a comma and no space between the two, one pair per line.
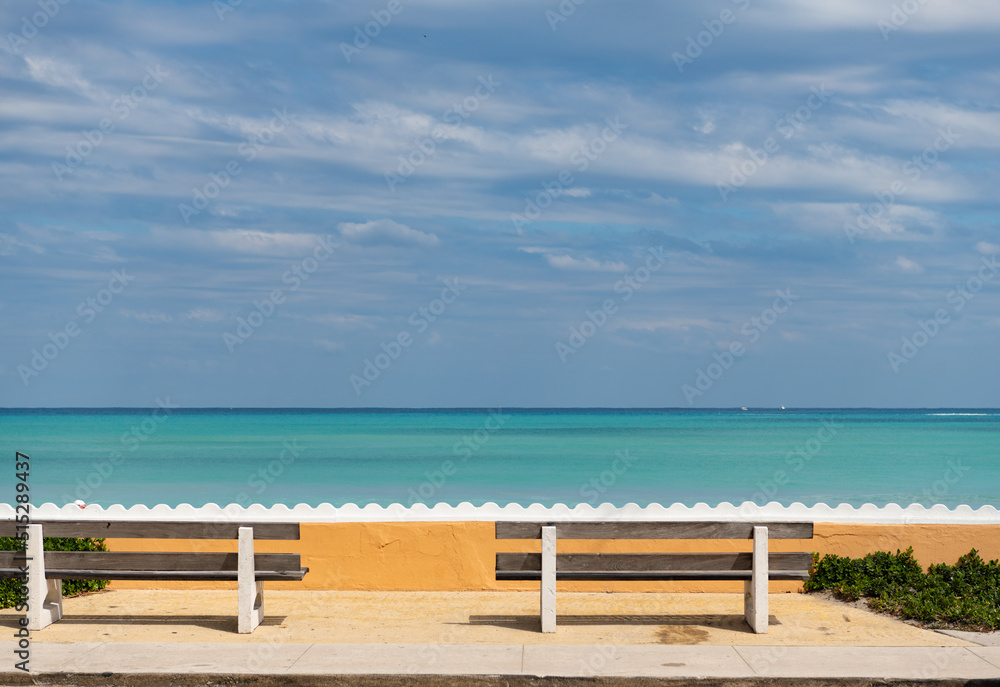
138,565
653,530
153,529
97,564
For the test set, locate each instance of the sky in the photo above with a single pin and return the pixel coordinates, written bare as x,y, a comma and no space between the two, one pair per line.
499,203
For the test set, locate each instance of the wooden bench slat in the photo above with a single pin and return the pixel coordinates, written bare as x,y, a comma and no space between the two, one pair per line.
654,530
149,562
172,575
154,529
659,576
650,562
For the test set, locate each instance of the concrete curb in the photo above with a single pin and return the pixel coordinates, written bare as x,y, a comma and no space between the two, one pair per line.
284,661
215,680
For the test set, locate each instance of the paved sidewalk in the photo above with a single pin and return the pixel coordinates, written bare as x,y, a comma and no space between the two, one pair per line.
328,617
182,658
980,638
192,634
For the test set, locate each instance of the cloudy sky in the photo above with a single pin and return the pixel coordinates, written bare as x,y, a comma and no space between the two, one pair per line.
438,203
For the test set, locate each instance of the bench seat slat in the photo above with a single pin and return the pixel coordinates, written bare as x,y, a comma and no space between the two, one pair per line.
153,529
109,562
654,576
651,562
653,530
173,575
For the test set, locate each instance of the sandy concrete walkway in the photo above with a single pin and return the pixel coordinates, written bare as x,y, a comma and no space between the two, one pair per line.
470,618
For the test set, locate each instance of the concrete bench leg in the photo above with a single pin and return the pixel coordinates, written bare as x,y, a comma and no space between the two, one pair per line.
755,589
251,592
548,601
44,596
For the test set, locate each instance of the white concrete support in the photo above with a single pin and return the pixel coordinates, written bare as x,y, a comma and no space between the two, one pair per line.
44,596
755,589
251,592
548,579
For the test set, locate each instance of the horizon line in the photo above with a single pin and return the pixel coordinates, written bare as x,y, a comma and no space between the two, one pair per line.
500,408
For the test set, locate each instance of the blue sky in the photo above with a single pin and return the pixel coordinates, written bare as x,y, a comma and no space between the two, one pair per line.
434,203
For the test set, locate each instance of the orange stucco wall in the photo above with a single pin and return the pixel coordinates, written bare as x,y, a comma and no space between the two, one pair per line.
459,556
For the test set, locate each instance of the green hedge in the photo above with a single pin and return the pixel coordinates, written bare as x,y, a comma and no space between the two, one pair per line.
10,593
965,595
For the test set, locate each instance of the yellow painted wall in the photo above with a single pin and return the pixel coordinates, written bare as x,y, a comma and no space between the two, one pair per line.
459,556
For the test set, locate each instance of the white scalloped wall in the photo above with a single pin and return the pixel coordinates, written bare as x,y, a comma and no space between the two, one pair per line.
892,514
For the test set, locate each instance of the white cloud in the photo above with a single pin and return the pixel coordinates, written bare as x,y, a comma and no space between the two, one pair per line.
678,324
327,345
10,246
908,266
58,74
897,222
987,248
148,316
657,199
345,321
204,315
237,241
865,14
707,123
948,125
567,262
385,231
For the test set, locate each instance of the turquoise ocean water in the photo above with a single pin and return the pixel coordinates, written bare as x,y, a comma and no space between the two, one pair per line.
133,456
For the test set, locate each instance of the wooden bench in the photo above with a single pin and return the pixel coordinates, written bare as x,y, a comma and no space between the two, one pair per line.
754,568
46,570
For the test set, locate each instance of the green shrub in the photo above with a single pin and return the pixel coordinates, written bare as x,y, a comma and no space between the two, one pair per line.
10,587
965,595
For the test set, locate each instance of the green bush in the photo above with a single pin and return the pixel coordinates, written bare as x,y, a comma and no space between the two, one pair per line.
965,595
10,587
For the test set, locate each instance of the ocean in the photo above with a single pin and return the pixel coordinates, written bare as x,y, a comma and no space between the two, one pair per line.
289,456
